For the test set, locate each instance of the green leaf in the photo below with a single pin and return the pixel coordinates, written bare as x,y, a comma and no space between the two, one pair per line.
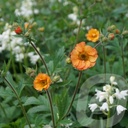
32,101
62,102
85,121
20,87
37,109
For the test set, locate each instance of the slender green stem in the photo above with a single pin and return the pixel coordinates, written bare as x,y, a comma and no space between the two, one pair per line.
74,94
97,44
18,98
104,59
77,33
78,30
51,107
122,55
20,66
108,120
41,57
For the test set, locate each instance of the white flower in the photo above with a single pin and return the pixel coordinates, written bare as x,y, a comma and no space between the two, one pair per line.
107,88
104,107
26,9
112,80
119,109
111,100
17,49
121,95
93,107
72,16
19,57
101,95
33,58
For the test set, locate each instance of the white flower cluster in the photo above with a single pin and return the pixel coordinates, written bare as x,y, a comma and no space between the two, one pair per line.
26,9
74,16
107,96
8,42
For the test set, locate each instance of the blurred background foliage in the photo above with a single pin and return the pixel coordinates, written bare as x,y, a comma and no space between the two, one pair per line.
55,34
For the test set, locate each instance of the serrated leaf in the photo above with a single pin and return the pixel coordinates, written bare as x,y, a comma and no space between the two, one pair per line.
32,101
37,109
62,102
21,86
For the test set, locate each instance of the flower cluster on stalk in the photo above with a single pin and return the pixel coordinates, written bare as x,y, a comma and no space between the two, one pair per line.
108,96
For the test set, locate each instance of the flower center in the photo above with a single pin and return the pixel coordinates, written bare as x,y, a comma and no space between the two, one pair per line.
83,56
93,35
44,82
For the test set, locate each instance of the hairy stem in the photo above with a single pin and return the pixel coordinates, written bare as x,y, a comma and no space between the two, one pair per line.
41,57
20,103
51,107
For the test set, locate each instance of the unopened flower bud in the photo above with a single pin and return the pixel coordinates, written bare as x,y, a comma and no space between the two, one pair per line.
27,34
111,28
18,30
104,39
111,36
34,24
125,32
30,72
56,78
15,24
117,31
68,60
41,29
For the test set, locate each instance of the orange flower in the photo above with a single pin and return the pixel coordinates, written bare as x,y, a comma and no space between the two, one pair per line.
93,35
83,56
42,81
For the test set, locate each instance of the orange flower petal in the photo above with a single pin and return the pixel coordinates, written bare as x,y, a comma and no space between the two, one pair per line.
90,51
80,47
83,65
75,62
92,64
93,58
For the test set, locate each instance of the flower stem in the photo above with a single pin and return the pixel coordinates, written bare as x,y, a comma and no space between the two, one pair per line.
74,94
108,119
41,57
104,60
78,30
18,98
51,107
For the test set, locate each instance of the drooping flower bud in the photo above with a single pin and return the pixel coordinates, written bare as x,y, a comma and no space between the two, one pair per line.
30,72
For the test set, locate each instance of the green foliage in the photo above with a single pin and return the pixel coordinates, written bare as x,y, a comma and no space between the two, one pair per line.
54,33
